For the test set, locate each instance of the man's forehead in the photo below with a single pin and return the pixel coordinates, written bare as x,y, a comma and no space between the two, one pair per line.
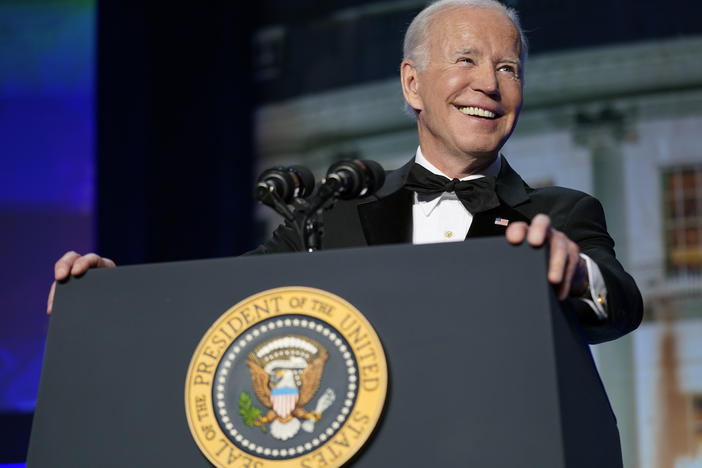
461,29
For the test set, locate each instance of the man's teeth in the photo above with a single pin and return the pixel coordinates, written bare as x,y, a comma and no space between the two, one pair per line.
477,111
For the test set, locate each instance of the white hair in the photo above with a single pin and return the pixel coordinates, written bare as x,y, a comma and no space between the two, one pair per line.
416,44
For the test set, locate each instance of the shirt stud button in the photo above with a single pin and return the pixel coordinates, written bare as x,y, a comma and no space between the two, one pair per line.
448,234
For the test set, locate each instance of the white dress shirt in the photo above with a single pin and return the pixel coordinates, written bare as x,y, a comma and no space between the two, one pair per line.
443,218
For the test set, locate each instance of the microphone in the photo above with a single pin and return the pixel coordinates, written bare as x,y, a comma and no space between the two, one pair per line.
287,183
280,186
354,178
347,180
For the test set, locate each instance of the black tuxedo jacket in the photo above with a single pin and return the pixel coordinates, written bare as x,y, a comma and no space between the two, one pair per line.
386,218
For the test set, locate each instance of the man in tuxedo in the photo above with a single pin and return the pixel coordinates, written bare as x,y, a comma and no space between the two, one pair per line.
462,77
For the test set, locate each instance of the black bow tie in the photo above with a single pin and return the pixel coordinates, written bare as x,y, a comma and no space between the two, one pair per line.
477,195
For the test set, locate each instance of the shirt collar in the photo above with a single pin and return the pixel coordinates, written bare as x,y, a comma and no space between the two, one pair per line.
428,203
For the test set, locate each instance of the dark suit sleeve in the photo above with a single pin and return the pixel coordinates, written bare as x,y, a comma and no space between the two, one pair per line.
586,226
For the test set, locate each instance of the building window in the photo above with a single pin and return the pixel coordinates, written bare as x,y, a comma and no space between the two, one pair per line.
682,188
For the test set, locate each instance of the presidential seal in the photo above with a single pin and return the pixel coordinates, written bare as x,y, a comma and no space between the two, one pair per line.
291,376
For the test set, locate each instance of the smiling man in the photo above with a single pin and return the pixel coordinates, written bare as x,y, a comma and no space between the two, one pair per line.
462,77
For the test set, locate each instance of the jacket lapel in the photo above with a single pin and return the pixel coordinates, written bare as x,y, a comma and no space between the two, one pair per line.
387,219
511,190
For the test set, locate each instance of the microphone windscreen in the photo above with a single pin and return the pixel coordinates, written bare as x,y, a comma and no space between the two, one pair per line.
375,174
359,178
306,180
287,183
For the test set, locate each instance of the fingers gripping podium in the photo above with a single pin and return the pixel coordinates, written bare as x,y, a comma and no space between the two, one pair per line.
485,367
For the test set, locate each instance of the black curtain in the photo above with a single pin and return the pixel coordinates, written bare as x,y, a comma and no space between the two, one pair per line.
174,131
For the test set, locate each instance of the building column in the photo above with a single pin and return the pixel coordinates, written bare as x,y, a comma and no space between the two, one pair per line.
602,133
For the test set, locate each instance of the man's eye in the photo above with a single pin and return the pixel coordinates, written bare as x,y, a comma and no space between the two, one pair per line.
465,60
508,69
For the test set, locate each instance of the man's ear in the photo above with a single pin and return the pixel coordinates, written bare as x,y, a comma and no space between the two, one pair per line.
409,76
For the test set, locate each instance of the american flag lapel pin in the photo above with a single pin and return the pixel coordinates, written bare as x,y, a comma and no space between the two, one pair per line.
502,221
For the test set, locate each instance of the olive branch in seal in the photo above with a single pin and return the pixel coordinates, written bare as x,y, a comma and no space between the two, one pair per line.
249,413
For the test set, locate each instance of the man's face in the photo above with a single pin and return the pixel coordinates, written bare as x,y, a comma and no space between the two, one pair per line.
470,92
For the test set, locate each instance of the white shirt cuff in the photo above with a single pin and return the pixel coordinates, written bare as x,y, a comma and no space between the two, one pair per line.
597,299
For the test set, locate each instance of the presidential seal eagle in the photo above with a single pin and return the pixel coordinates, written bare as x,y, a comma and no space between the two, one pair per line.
286,374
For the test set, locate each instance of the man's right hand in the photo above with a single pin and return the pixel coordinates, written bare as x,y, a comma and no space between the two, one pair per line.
73,263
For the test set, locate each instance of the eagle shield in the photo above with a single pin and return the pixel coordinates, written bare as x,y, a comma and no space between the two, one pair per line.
286,373
284,400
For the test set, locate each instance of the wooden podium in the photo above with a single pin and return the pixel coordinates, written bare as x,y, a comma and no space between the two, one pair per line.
486,369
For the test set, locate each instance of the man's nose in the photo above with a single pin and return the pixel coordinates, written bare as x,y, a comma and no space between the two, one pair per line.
485,81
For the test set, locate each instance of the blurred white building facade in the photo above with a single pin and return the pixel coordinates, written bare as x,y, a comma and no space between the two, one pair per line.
621,122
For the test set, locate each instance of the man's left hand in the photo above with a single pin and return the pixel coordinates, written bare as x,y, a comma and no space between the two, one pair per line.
567,271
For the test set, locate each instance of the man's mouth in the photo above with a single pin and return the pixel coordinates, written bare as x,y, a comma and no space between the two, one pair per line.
477,112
